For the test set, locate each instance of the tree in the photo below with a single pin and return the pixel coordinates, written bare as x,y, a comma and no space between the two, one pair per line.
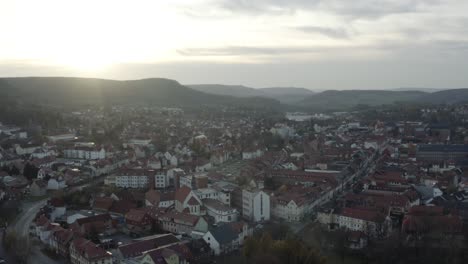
263,249
19,246
30,171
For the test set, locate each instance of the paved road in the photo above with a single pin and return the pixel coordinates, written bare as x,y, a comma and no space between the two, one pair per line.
24,220
21,226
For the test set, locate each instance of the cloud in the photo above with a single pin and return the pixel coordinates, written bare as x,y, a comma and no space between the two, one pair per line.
337,33
363,9
248,51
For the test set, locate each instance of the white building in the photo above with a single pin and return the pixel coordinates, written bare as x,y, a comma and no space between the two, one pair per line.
293,209
62,137
87,153
161,180
282,130
131,178
140,142
219,211
255,205
187,201
206,193
186,180
26,149
56,184
252,154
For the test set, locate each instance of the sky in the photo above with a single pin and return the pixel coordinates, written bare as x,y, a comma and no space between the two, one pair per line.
316,44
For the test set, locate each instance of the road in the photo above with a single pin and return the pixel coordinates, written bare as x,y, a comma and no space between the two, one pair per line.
21,227
24,220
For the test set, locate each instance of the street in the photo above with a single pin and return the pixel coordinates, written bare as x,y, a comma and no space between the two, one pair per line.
21,227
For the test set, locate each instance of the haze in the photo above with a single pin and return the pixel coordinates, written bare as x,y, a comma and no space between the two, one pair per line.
361,44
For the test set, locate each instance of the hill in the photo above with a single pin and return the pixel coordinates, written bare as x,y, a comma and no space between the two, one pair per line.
156,91
287,90
445,96
286,95
333,99
230,90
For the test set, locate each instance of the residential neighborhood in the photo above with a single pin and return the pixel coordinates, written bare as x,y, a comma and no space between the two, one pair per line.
183,189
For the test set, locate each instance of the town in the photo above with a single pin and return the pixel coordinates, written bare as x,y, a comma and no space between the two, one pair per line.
147,184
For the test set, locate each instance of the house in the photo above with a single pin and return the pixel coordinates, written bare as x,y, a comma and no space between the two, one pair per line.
135,250
201,251
372,223
101,223
252,153
121,207
255,205
46,231
38,188
131,178
202,165
40,223
85,152
187,201
182,223
291,207
222,239
61,137
83,251
161,180
56,184
175,254
439,153
159,199
43,172
431,220
219,211
23,149
61,242
154,163
103,204
58,208
219,156
138,221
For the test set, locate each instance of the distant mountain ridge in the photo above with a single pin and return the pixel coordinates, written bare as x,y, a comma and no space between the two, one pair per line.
157,91
165,92
339,99
285,95
333,99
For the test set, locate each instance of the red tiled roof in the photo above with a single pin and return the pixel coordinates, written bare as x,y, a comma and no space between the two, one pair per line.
153,197
193,201
426,210
42,220
89,250
181,193
137,248
57,202
136,215
63,236
122,207
366,215
182,218
94,218
103,203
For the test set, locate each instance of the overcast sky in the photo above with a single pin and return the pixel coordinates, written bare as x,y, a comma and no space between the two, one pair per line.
317,44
